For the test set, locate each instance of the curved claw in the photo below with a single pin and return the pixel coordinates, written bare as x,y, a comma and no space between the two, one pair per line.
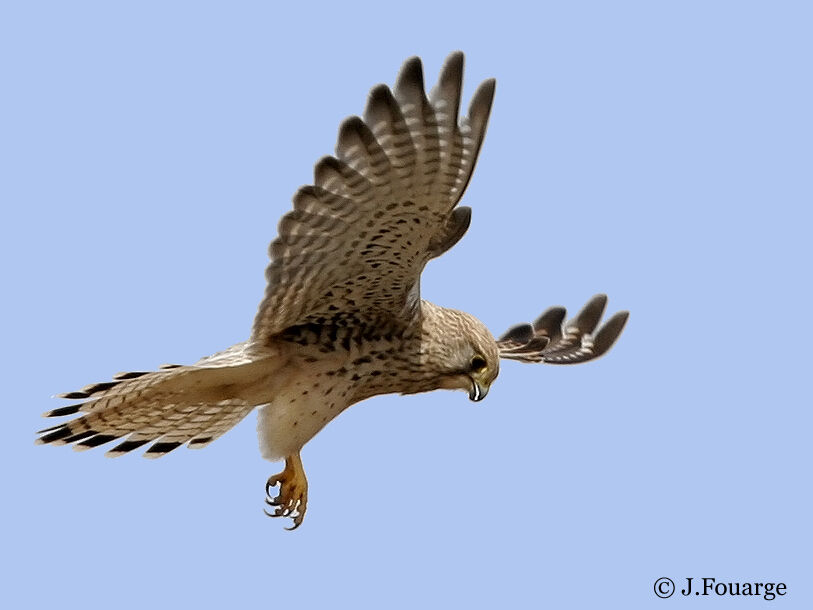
271,484
297,522
292,500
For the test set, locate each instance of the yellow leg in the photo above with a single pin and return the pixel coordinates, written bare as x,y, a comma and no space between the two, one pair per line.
292,500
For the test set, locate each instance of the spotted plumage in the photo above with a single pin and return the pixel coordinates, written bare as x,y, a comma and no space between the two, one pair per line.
342,319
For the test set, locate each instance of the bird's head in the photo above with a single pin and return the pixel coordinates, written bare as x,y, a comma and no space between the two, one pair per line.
461,352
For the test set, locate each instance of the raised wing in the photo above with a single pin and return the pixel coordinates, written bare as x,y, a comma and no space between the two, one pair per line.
551,341
352,250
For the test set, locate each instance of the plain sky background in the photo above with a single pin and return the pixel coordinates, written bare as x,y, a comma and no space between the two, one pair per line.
656,151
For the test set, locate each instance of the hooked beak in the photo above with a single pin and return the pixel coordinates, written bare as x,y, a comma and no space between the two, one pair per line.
478,390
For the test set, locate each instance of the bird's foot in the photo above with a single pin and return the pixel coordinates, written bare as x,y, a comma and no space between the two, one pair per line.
292,500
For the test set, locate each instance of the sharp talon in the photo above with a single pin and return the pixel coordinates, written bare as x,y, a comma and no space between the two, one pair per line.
291,501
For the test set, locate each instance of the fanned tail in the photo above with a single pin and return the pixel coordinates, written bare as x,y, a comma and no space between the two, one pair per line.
168,408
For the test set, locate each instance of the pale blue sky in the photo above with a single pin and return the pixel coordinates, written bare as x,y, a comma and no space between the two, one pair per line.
656,151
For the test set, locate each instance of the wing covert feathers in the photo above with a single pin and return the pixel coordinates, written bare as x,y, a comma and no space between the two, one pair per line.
356,242
553,341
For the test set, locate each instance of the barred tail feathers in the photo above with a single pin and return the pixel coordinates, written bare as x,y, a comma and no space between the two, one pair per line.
170,407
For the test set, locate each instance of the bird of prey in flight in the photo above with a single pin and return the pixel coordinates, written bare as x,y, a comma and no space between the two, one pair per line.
342,318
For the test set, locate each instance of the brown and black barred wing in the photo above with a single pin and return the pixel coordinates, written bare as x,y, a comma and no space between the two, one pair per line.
552,341
352,250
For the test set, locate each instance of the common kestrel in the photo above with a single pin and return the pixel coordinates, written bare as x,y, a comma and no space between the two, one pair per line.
342,319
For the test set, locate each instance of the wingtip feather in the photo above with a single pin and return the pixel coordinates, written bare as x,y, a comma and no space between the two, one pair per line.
550,321
608,334
521,333
481,102
450,84
409,85
588,318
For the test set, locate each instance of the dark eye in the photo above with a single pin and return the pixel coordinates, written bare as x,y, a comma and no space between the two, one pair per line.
478,363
